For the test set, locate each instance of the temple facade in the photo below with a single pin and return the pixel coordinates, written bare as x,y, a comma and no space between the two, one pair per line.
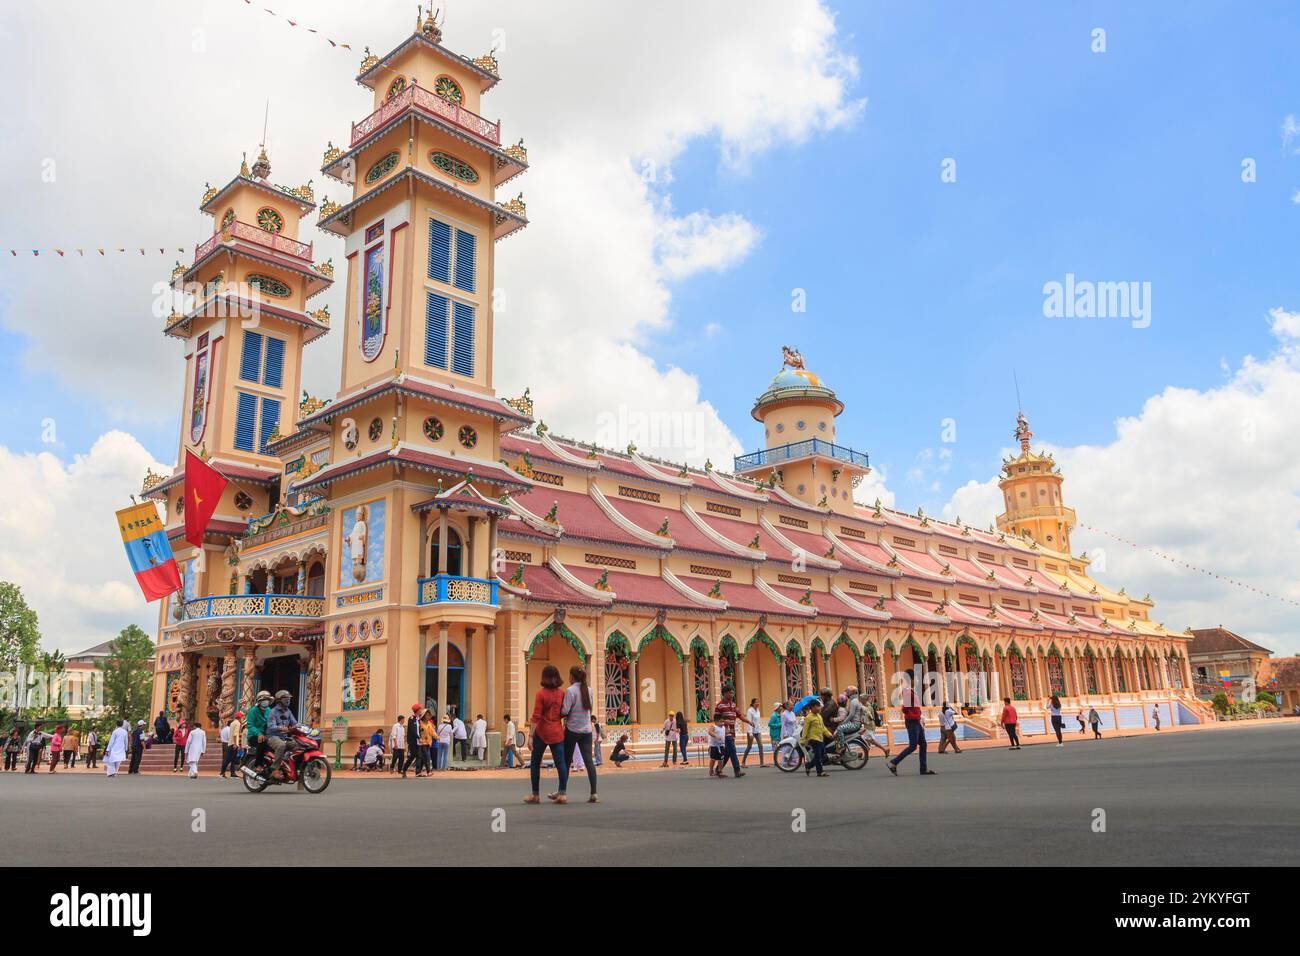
419,539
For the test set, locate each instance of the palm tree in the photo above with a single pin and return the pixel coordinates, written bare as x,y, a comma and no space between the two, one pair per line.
52,664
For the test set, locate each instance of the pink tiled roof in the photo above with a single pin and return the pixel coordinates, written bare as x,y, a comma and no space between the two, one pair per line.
815,545
631,588
543,584
1056,622
650,518
578,514
742,532
900,611
827,604
741,597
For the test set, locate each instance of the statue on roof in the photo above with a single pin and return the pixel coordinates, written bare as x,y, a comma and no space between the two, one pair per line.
791,358
1022,433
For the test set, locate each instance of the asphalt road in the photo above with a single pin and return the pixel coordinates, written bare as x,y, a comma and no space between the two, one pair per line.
1225,797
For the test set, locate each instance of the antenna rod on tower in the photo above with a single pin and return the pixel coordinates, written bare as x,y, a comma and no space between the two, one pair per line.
266,115
1019,407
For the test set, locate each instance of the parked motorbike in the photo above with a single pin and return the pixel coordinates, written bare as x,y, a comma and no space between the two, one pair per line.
852,754
303,761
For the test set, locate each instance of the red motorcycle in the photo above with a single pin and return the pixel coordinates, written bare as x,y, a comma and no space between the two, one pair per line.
303,761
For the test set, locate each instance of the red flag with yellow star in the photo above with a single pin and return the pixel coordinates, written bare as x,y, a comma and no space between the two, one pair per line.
203,487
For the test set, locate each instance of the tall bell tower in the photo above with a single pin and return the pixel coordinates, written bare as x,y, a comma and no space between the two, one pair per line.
1031,492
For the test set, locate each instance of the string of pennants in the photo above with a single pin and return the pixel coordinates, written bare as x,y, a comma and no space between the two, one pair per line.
101,250
1174,559
295,23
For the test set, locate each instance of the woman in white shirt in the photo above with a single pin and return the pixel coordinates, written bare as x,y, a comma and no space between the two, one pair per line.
1054,711
575,711
753,733
670,737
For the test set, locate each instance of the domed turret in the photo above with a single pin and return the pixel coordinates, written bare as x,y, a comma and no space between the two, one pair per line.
798,413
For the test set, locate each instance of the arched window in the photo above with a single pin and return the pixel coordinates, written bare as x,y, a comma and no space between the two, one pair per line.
453,551
316,579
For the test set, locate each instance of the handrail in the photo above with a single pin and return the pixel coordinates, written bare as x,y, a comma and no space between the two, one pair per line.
801,449
418,96
253,605
247,233
456,589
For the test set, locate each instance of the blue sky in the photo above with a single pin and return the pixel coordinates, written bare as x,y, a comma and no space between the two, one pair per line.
923,296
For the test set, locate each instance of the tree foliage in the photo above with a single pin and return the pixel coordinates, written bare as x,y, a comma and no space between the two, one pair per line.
128,675
19,633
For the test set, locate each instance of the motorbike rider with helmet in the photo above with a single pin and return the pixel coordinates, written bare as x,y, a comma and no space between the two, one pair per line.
853,719
280,722
256,734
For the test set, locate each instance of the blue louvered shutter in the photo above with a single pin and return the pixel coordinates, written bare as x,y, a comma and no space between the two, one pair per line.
270,418
435,331
250,360
465,259
274,371
245,420
439,251
462,343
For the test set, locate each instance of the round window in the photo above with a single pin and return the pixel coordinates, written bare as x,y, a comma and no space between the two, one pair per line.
242,501
821,426
468,437
448,89
780,426
801,425
376,429
433,429
269,219
801,489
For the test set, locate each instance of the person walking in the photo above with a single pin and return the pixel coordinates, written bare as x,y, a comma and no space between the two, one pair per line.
510,755
56,747
461,736
71,747
597,738
915,724
441,739
413,737
1010,723
196,745
683,736
774,726
576,711
814,736
397,742
137,747
548,731
92,748
948,729
178,738
725,713
1155,717
478,739
232,744
1082,718
753,733
115,752
223,737
35,744
1094,718
13,747
1054,711
670,737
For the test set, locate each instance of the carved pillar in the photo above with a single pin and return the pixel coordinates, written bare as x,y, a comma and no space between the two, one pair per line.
187,696
688,684
490,653
246,681
441,702
442,540
226,708
314,682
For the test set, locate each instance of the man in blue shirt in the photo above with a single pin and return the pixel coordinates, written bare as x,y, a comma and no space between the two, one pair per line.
280,721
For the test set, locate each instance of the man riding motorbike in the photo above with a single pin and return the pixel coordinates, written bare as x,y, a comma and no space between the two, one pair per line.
853,719
257,716
280,723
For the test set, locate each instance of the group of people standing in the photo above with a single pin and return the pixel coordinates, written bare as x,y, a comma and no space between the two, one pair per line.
421,741
64,747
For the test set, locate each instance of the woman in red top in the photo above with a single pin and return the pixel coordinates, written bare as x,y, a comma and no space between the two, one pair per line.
1009,723
548,731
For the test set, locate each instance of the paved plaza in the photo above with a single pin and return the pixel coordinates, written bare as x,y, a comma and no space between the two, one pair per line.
1224,797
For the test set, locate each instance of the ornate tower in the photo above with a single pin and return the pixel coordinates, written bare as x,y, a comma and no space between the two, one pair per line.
244,328
1031,492
798,414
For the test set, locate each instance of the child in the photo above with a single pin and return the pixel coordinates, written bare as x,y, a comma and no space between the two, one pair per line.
359,758
814,734
717,750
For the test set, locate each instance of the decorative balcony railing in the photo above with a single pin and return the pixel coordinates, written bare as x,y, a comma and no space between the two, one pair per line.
453,589
253,605
1038,511
246,233
427,102
800,449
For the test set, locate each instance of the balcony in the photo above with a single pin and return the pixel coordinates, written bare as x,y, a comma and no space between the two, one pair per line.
254,605
416,97
800,449
453,589
246,233
1038,511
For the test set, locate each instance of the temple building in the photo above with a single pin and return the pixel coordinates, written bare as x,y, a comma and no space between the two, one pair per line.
419,539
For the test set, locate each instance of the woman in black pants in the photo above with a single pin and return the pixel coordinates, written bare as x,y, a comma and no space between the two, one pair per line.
576,713
683,736
1054,710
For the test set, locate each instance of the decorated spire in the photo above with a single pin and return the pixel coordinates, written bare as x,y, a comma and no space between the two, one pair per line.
262,165
1022,433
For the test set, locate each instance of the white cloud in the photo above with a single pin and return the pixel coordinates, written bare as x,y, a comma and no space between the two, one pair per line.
1209,477
62,545
150,106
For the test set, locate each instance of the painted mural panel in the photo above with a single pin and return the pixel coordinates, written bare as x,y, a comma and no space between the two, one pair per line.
356,679
374,321
361,557
199,397
171,693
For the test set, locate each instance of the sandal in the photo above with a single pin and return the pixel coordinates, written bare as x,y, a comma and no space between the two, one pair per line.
561,798
593,799
532,798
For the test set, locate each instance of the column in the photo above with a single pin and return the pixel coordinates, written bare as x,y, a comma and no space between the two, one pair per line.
1187,672
490,638
808,687
492,546
246,681
467,701
470,569
740,680
442,647
226,706
634,691
715,687
423,563
185,698
943,677
442,542
688,685
596,672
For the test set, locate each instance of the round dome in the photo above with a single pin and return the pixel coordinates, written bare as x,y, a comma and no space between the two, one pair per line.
794,385
799,378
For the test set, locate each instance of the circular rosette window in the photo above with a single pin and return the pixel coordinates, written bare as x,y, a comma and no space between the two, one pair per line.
242,501
376,429
468,436
270,219
433,429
